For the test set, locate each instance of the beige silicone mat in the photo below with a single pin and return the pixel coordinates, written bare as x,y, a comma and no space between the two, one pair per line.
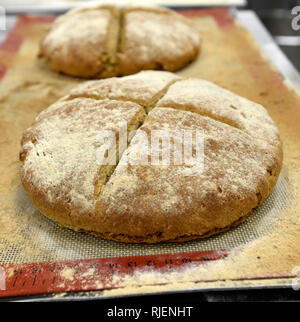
230,57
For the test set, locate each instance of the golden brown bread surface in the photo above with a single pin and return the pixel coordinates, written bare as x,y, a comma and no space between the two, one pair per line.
105,41
142,202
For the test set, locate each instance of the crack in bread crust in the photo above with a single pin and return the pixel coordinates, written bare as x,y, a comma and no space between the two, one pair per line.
112,44
147,106
106,171
101,180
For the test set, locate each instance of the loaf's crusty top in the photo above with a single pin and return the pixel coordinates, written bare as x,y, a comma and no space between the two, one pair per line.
61,145
146,202
105,41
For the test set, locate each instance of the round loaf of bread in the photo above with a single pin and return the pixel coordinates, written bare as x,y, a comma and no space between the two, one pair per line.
104,41
151,201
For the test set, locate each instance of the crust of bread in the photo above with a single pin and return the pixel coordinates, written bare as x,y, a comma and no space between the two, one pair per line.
118,41
79,43
143,203
146,32
62,217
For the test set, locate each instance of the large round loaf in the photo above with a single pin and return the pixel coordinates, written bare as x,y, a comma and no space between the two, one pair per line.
104,41
150,201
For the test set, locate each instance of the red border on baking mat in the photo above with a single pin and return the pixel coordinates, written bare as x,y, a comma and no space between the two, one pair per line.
91,274
13,42
222,16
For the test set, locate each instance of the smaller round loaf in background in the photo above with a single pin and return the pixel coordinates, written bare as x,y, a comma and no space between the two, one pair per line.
104,41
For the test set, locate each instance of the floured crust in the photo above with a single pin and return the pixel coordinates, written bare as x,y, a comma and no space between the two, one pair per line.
173,203
143,202
105,41
155,39
60,148
78,43
205,98
144,88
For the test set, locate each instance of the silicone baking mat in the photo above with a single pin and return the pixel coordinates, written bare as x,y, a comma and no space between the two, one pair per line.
59,258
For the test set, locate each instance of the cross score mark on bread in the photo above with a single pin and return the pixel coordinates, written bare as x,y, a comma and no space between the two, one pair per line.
146,203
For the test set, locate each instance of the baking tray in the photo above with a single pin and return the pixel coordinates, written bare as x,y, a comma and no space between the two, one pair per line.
72,262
